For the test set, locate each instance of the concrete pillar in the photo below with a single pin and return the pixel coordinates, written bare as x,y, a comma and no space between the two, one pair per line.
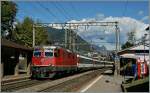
17,63
16,69
2,69
23,62
29,62
28,68
118,68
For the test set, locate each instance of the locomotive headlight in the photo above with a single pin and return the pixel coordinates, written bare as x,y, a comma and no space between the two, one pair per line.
37,70
42,60
50,64
44,70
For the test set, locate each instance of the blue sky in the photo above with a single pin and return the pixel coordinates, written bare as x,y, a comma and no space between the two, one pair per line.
131,15
65,11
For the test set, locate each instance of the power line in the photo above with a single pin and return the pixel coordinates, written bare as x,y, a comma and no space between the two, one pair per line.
125,9
58,41
75,11
63,9
39,12
59,9
49,11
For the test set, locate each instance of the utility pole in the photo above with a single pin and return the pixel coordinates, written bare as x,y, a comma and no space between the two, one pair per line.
33,44
117,63
70,37
66,38
91,49
76,41
73,37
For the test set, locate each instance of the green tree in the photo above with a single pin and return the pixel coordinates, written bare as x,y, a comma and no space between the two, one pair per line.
41,36
8,14
24,30
131,39
126,45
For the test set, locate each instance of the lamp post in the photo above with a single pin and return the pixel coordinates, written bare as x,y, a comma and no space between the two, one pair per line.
33,43
145,35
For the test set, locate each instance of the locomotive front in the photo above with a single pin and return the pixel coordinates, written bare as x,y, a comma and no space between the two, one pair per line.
42,62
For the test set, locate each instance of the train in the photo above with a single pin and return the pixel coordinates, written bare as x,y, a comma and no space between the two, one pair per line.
52,61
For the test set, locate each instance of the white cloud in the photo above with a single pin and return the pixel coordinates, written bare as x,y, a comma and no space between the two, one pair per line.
145,18
96,33
99,16
126,24
140,12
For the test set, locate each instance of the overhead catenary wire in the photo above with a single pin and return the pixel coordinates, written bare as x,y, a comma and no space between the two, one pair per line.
86,43
63,9
60,10
49,11
36,6
125,8
74,8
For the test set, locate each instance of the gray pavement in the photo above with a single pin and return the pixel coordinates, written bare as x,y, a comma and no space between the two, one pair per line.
104,83
13,77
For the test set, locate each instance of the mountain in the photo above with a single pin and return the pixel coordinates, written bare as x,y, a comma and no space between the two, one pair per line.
57,36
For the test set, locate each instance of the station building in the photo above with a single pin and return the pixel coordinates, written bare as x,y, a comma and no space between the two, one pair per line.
138,52
15,58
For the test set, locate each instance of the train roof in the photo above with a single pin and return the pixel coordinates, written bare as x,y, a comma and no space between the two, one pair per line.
53,47
87,58
84,57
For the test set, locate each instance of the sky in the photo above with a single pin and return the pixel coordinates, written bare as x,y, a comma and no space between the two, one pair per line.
64,11
130,14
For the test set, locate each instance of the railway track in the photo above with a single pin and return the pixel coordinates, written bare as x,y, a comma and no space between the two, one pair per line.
74,84
14,86
64,84
13,82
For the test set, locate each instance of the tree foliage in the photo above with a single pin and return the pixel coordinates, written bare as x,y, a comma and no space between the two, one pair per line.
131,40
131,37
24,33
126,45
8,14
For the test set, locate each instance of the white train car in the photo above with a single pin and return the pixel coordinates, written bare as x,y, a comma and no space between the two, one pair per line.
86,63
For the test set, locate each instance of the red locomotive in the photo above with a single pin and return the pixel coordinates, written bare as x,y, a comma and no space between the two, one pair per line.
50,61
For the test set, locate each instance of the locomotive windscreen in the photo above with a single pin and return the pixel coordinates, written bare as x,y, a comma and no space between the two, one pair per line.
37,53
48,54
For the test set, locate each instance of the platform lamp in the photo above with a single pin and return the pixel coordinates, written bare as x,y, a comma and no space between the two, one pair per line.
144,39
145,35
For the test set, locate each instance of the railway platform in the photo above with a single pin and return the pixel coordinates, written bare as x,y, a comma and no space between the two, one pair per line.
104,83
10,78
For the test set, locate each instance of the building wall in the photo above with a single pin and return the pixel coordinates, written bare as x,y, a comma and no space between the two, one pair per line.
15,61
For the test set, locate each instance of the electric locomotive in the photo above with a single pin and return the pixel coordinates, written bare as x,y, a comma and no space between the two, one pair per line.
49,61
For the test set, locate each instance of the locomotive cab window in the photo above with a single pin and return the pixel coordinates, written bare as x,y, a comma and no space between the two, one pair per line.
48,54
56,53
37,53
